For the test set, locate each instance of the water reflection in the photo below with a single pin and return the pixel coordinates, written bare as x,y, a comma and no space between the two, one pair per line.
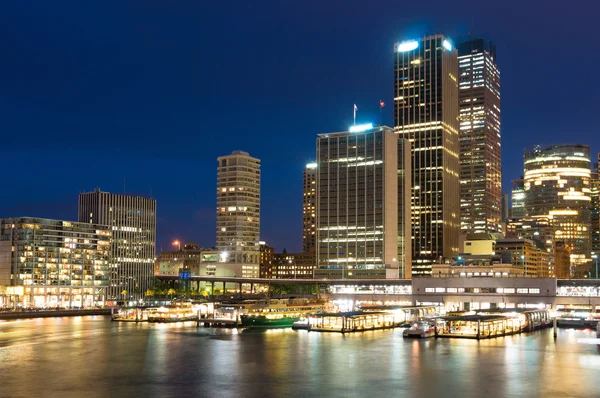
92,356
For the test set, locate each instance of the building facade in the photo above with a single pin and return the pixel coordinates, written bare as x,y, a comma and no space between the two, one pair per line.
595,208
357,200
309,208
132,221
267,253
53,263
238,214
479,136
534,258
517,209
426,114
199,261
558,189
294,265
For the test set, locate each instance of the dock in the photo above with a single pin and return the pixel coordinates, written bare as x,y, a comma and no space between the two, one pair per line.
355,321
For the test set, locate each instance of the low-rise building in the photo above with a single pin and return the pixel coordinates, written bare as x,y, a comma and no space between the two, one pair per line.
529,254
496,270
266,260
199,261
294,265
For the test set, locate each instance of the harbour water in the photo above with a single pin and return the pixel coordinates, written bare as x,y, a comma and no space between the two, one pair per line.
94,357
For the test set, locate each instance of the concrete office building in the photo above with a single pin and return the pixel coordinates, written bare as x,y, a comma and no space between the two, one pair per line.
53,263
238,215
426,114
558,189
309,208
479,136
357,203
132,220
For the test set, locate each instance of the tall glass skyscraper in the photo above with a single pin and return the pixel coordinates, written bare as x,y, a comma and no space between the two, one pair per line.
426,114
480,163
558,189
238,215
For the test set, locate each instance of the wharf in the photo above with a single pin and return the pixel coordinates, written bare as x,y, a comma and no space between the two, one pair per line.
356,321
52,313
490,325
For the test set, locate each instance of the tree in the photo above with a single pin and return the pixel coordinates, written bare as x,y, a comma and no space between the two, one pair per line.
171,292
124,294
150,293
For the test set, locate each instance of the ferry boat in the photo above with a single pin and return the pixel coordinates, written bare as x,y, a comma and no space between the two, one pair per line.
178,312
131,315
279,313
423,328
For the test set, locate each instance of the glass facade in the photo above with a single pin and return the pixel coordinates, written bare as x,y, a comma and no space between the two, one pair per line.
518,199
52,263
426,114
480,152
558,189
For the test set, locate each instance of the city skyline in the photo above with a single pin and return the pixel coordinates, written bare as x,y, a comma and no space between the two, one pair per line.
44,115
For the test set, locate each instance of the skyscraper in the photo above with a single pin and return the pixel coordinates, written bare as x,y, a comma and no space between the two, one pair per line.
480,164
238,215
426,114
132,220
309,209
595,208
517,208
557,188
357,202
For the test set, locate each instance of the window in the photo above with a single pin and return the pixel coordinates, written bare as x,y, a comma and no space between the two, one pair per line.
521,290
429,290
440,289
534,291
452,290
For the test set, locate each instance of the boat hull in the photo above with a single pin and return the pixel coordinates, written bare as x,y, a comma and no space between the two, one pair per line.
172,320
264,322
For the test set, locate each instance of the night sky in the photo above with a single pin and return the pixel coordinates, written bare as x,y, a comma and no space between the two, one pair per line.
144,95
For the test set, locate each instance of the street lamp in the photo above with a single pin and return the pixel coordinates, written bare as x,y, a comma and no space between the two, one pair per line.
595,256
177,243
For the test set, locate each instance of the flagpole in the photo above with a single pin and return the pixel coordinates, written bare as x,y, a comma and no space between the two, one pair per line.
355,114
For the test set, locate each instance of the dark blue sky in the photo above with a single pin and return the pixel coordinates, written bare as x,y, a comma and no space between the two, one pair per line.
92,93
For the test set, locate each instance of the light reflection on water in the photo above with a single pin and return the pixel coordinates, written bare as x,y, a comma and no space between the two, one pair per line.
91,356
